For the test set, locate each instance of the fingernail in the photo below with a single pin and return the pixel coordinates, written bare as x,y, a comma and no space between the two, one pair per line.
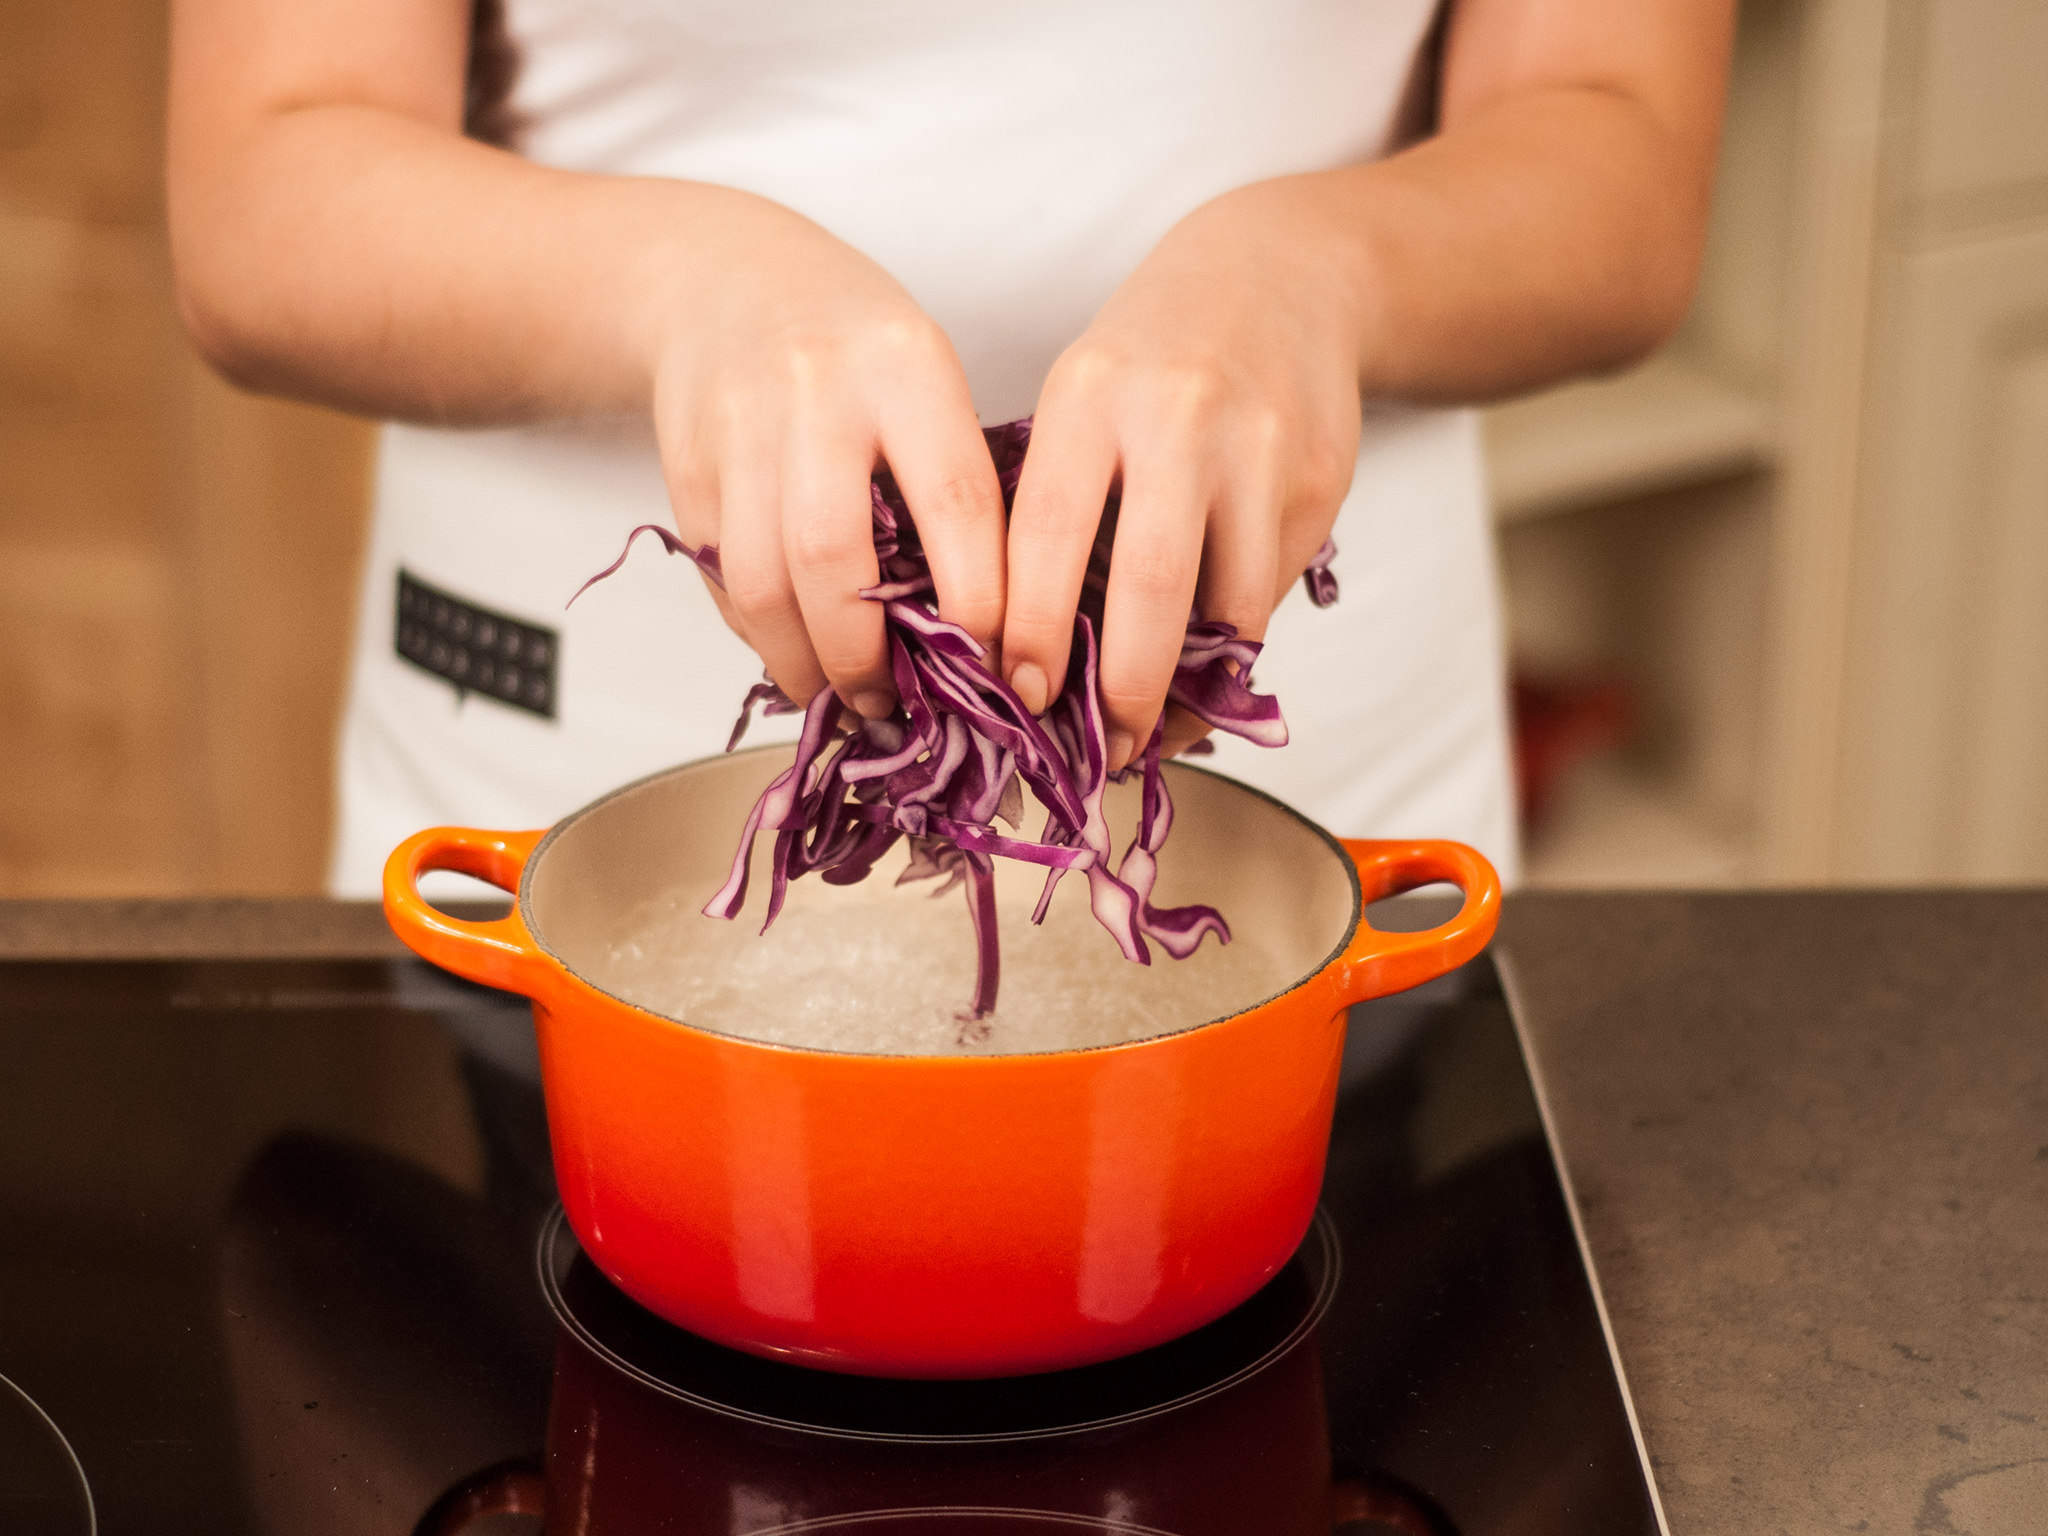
1028,681
873,704
1119,749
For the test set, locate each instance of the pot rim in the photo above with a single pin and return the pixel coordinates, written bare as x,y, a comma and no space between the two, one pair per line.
540,942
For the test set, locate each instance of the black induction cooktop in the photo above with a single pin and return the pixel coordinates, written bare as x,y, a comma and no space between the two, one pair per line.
279,1253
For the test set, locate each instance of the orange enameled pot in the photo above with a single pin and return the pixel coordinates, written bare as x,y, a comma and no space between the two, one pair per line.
928,1216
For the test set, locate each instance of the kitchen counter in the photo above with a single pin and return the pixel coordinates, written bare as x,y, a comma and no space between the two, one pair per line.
1807,1134
1808,1138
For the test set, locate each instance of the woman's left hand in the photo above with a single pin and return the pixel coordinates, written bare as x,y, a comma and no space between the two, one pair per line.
1220,387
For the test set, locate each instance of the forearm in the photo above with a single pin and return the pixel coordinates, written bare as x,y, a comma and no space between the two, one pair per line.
1552,234
1549,232
1553,225
349,254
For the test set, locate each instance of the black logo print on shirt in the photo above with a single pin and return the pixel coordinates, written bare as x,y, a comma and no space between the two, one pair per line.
477,649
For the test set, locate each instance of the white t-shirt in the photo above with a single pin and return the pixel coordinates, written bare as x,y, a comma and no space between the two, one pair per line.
1009,165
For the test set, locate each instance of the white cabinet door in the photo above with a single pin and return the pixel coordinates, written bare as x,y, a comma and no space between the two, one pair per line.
1944,770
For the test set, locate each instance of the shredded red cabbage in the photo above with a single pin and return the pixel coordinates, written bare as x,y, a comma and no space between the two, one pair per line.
946,766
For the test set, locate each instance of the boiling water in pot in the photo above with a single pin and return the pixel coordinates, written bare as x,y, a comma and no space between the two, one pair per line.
881,969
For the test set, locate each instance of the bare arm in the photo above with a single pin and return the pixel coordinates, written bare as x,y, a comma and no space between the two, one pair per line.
1553,226
336,238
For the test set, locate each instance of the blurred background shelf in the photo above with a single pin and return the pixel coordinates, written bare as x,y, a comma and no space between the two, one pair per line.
1635,517
1811,537
1615,825
1664,425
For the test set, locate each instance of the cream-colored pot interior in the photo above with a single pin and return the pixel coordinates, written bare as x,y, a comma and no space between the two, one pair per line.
1279,880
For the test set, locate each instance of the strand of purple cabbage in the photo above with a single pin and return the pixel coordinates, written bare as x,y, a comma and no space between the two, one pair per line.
947,765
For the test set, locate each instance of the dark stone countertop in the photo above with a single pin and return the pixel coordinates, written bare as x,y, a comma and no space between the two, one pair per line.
237,927
1807,1134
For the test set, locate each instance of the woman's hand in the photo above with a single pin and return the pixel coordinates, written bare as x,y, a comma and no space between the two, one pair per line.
775,406
1219,386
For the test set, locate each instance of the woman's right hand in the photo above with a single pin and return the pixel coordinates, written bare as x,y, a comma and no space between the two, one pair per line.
775,396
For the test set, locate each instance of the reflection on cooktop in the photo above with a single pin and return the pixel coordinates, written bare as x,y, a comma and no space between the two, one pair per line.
1212,1360
43,1490
1388,1520
1221,1433
963,1522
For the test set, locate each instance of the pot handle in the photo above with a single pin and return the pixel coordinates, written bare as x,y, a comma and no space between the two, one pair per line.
1376,962
510,1488
500,953
1358,1499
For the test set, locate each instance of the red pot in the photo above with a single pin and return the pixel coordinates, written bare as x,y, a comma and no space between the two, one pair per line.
937,1216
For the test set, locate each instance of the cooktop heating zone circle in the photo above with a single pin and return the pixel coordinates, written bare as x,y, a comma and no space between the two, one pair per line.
1254,1337
43,1491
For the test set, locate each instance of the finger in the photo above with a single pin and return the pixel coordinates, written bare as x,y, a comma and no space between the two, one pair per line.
1303,528
758,590
1182,731
942,465
1239,558
726,610
1241,561
1058,511
1152,574
828,539
693,499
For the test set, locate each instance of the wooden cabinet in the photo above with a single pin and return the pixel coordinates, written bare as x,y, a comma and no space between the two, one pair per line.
177,560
